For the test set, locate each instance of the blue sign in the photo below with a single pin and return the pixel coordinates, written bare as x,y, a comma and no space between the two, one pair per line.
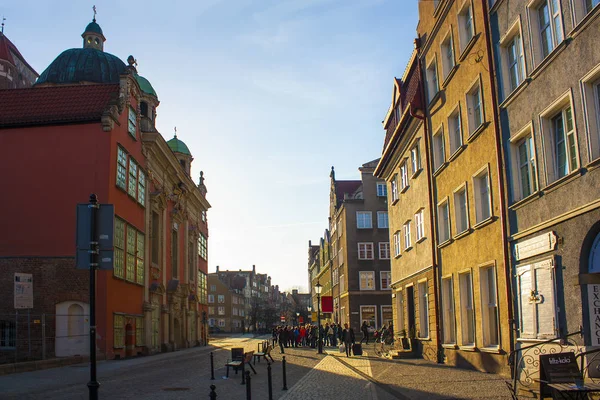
105,219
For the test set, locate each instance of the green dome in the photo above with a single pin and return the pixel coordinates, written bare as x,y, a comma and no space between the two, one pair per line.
145,86
83,65
178,146
93,27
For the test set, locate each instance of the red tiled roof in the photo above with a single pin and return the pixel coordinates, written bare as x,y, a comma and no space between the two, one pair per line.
342,187
6,47
55,104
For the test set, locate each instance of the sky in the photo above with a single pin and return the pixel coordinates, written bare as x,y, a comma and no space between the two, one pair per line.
267,94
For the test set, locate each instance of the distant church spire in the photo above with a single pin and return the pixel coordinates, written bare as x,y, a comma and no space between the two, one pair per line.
3,19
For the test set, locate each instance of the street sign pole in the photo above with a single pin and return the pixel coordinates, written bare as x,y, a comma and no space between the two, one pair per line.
93,384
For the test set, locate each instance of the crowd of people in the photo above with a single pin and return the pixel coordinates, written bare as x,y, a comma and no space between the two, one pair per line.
307,335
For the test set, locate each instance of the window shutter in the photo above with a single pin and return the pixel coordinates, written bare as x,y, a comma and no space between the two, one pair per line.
525,306
546,311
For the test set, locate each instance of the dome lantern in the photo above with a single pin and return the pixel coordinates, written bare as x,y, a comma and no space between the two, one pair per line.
93,38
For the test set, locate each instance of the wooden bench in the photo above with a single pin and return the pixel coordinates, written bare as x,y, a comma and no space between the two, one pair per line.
266,352
239,364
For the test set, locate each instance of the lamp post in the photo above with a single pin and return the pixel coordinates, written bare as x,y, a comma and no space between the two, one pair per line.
309,309
318,288
297,318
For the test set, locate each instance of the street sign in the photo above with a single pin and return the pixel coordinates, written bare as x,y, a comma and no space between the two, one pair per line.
282,318
23,290
104,228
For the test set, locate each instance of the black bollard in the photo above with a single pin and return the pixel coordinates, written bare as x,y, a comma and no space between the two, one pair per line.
243,371
212,367
284,377
270,380
213,394
248,386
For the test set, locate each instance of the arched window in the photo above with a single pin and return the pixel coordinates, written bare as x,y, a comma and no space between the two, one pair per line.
75,320
594,262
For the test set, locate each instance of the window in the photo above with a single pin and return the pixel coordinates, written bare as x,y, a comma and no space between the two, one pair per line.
439,156
368,314
221,310
489,306
131,254
133,168
8,334
403,176
364,220
560,143
475,108
406,234
415,158
220,298
367,280
513,62
222,323
423,310
419,225
443,220
118,331
213,288
527,175
455,131
546,27
203,214
394,185
342,283
335,276
382,219
211,298
121,168
174,254
384,250
140,253
141,187
483,203
201,281
466,29
536,298
132,122
397,250
202,247
365,251
467,312
139,331
448,321
385,279
155,237
432,80
119,245
400,325
590,4
447,52
591,96
381,189
461,210
211,310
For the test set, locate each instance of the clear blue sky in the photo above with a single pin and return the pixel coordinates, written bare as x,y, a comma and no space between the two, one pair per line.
267,94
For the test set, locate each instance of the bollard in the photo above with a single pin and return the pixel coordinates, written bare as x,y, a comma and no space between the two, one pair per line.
213,394
284,377
270,381
248,386
243,372
212,367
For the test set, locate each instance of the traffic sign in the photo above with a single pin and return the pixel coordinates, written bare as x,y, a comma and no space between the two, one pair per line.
104,231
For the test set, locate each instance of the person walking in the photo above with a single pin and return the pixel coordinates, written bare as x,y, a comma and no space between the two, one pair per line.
348,336
281,339
365,331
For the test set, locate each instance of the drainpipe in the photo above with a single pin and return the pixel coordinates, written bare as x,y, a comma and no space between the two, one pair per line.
431,222
500,173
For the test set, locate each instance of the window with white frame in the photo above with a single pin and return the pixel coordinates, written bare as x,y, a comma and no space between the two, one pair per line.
439,154
525,174
467,311
220,298
448,320
384,250
443,220
536,298
583,7
394,186
367,280
121,168
382,219
423,310
403,176
560,141
381,189
590,85
222,323
415,158
475,108
211,298
546,27
364,220
419,225
385,278
461,210
221,310
483,201
432,80
406,235
397,250
455,130
447,54
466,27
342,283
489,306
365,251
512,59
132,122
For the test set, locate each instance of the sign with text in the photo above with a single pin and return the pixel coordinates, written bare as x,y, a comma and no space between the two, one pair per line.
23,290
594,308
327,304
558,368
537,245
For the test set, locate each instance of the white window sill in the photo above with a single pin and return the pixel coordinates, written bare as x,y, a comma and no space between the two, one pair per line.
515,93
485,222
448,77
424,339
548,59
416,173
366,290
563,181
449,346
421,239
465,52
409,248
526,200
444,243
404,189
397,256
457,152
440,168
468,348
473,135
462,234
394,201
490,349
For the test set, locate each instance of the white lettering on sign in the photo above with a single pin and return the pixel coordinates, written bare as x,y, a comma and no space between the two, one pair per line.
534,246
594,308
23,290
559,360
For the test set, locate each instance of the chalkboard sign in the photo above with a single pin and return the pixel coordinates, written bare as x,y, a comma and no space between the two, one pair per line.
558,368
